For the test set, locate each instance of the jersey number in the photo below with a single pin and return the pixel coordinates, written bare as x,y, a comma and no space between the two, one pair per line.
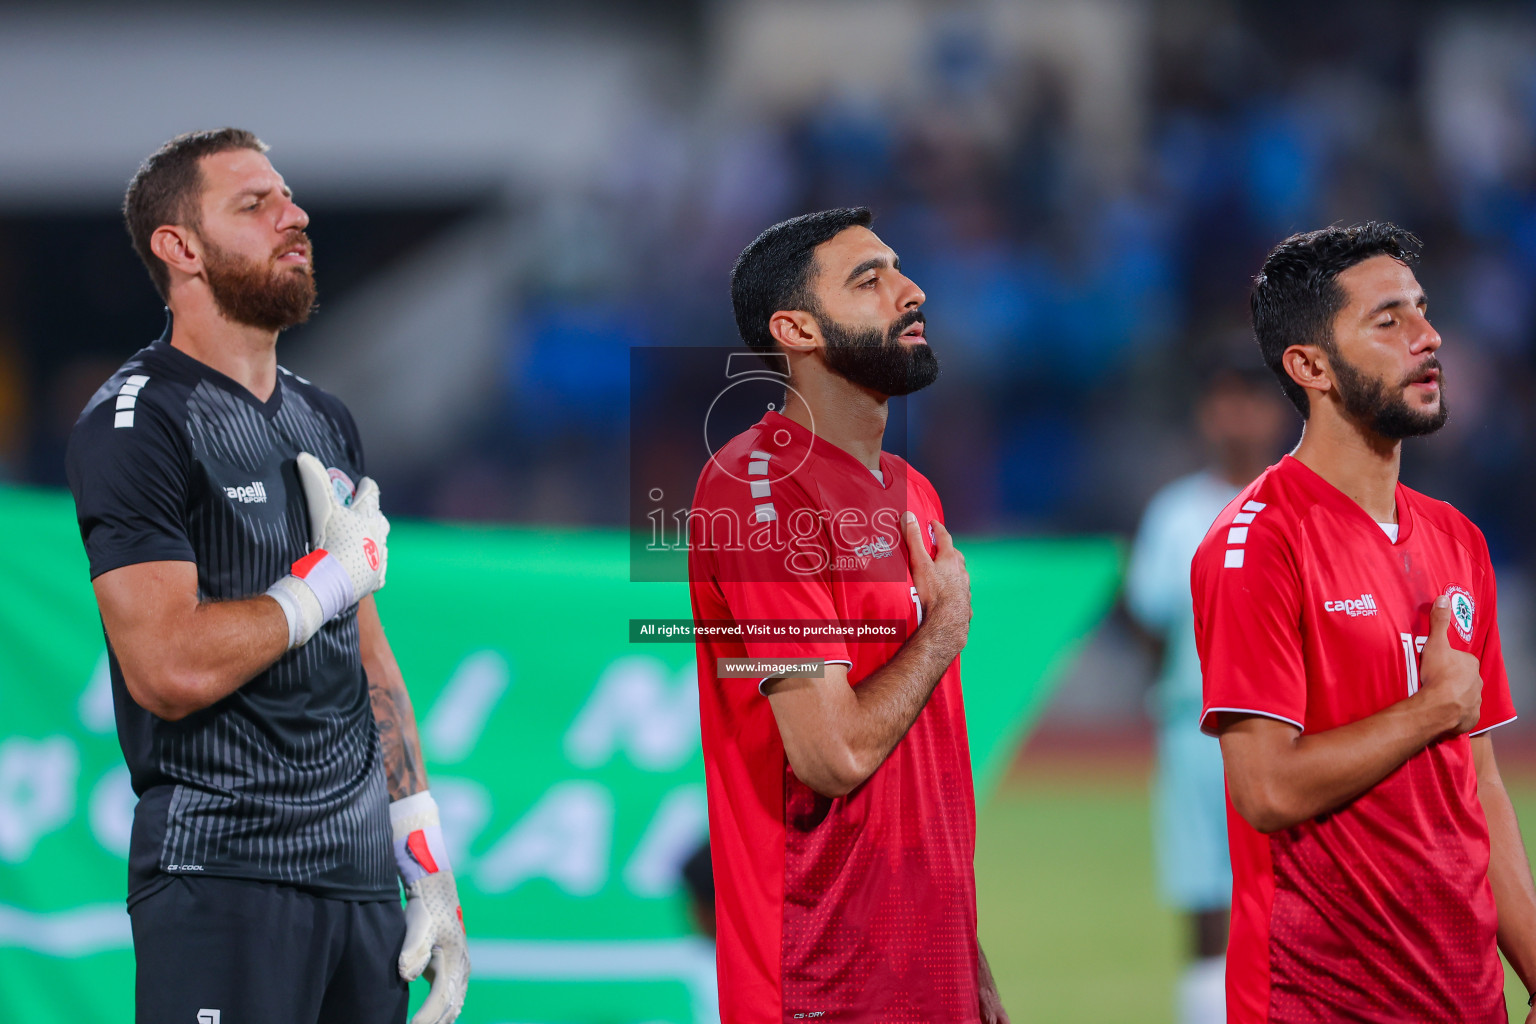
1413,646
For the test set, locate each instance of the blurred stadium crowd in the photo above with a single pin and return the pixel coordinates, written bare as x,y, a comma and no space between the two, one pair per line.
1084,191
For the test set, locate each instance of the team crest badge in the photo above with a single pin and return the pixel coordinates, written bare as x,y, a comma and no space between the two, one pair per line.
1461,612
342,485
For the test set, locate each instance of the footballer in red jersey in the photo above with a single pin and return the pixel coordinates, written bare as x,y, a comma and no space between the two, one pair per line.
842,818
1349,644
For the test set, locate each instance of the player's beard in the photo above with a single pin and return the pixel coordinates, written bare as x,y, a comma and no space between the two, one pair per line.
1383,409
877,359
269,296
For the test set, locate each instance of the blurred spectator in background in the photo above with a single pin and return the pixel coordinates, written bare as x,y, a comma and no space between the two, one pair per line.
13,407
699,880
1243,420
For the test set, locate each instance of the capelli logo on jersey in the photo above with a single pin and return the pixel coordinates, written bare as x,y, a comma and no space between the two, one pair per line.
877,548
255,493
1365,604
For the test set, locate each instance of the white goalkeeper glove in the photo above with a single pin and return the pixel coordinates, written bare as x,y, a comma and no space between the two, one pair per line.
434,923
347,559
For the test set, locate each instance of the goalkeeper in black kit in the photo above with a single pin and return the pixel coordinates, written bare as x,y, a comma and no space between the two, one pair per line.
235,544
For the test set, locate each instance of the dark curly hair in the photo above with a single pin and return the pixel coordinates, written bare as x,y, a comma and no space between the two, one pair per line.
1296,295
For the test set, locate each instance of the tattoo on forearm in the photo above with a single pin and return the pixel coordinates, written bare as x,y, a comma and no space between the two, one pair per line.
404,773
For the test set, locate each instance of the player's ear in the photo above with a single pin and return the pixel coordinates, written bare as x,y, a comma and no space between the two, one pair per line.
177,248
795,329
1308,367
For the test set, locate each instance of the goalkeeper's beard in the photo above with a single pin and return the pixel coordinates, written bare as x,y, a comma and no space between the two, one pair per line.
270,297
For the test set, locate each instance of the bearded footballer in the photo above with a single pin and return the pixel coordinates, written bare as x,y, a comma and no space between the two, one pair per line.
842,816
235,543
1349,642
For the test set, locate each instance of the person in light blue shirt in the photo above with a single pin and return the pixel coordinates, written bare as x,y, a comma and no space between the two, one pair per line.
1242,419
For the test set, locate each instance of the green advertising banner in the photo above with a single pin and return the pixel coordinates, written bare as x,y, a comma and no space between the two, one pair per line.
565,759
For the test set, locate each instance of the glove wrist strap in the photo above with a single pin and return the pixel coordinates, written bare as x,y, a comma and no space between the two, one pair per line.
327,579
418,837
300,606
315,592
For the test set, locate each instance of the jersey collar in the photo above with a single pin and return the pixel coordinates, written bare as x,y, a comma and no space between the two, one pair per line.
1327,493
800,437
199,370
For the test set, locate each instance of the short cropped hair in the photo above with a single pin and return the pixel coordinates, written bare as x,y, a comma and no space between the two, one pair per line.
1296,295
775,271
168,189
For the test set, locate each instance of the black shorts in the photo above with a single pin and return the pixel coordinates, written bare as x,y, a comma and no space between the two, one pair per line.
230,951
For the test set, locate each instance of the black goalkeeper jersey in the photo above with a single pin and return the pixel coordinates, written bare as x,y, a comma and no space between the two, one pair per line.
282,780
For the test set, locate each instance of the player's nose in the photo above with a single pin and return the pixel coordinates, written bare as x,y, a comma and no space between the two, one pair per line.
1428,339
293,218
909,295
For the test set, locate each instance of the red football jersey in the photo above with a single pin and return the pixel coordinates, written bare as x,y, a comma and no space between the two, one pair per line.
1307,612
860,908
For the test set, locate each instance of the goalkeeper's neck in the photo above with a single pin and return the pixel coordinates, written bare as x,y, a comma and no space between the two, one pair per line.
245,354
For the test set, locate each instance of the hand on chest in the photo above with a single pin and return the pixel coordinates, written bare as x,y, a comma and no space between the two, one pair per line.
869,562
1366,618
